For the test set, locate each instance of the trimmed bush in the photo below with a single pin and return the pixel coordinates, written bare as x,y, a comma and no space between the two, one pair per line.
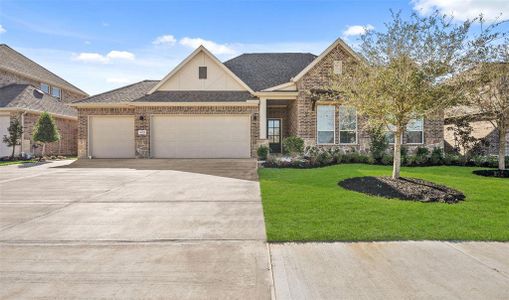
262,152
437,156
293,145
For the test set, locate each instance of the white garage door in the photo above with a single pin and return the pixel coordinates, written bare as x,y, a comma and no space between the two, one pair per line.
198,136
4,124
111,136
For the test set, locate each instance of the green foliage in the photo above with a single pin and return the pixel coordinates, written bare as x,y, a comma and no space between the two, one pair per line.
46,129
262,152
15,130
293,145
378,143
437,156
387,159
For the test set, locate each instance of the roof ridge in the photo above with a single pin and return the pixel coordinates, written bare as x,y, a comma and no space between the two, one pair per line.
24,56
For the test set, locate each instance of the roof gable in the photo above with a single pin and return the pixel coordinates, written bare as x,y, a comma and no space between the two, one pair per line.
17,63
185,75
338,43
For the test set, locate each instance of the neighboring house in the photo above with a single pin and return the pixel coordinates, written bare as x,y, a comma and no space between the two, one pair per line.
208,109
26,90
482,128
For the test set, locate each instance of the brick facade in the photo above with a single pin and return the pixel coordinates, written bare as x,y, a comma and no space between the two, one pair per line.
302,114
7,78
68,129
142,143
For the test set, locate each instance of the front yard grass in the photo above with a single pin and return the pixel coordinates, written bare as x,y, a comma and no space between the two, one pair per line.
15,162
308,205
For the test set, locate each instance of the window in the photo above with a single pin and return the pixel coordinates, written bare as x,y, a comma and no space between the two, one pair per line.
45,88
325,119
202,72
338,67
55,92
415,131
347,125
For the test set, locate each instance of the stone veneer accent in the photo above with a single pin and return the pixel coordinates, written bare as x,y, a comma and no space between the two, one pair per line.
68,129
142,143
7,78
303,117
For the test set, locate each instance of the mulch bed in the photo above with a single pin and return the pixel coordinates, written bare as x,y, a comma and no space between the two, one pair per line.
492,173
403,188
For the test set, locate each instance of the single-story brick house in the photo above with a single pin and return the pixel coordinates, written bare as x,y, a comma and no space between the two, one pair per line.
26,90
208,109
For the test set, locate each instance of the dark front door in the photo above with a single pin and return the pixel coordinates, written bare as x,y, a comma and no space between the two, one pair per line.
274,135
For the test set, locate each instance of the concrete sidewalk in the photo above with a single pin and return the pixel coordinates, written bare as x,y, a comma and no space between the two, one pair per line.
391,270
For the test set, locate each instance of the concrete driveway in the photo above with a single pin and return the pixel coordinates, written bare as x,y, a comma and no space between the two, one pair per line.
133,229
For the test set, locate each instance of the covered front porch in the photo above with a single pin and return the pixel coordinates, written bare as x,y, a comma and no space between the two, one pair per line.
277,121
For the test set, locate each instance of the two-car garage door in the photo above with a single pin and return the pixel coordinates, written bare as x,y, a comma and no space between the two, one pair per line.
173,136
199,136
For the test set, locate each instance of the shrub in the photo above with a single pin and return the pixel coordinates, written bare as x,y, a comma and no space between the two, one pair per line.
378,143
293,145
452,159
421,156
387,159
404,155
437,156
262,152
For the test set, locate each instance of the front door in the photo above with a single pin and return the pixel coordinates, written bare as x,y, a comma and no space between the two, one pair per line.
274,135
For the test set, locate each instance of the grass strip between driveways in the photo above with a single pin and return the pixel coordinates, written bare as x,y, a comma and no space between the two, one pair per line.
308,205
15,162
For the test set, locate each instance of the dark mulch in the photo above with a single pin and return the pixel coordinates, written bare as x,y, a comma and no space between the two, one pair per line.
492,173
403,188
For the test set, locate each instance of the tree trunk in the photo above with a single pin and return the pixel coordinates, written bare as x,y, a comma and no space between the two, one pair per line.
43,149
13,151
396,165
501,146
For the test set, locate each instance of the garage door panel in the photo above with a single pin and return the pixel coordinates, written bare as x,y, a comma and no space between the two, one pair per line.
198,136
5,121
112,136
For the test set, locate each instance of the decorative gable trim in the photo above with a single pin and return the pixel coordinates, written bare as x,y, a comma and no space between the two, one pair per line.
189,58
338,42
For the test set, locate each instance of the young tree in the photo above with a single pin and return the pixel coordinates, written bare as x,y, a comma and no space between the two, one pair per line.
402,70
15,131
488,82
45,131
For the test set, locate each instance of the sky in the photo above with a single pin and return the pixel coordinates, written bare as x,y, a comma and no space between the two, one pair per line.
100,45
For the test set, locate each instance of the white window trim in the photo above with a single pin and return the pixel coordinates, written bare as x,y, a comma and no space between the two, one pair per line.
316,125
356,130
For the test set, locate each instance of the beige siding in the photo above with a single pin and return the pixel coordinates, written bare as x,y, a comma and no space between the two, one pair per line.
187,77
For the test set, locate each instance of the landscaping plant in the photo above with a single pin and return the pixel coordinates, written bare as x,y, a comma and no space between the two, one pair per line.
293,145
15,131
45,131
262,152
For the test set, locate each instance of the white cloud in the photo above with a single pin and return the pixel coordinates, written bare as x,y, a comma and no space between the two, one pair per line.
120,55
167,39
92,57
210,45
2,29
357,30
462,10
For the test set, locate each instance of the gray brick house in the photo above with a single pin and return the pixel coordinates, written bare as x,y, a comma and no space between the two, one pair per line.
205,108
26,90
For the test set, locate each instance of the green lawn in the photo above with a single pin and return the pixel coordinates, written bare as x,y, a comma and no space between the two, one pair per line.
308,205
14,162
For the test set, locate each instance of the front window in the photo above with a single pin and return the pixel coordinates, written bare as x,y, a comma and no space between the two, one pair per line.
325,119
55,92
415,131
45,88
347,125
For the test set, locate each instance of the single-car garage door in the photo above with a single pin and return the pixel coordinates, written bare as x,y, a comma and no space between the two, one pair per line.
111,136
199,136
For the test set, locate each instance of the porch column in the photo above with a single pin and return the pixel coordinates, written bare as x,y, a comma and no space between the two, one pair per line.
263,118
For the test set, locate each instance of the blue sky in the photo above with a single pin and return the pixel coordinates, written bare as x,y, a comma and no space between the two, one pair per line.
101,45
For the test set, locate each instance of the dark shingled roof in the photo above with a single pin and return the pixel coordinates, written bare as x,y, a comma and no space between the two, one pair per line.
25,96
11,60
127,93
264,70
196,96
